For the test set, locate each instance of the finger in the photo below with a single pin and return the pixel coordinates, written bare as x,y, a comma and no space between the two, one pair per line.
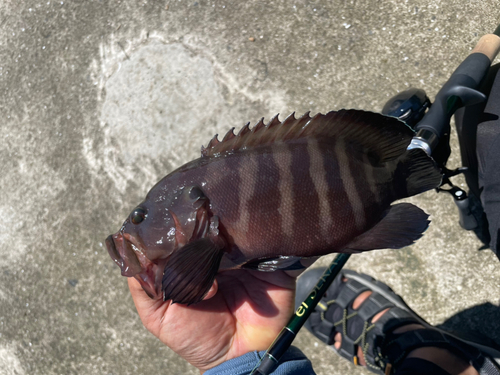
138,294
150,310
213,291
141,300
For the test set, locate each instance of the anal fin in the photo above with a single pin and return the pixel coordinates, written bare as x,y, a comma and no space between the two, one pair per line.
190,271
403,224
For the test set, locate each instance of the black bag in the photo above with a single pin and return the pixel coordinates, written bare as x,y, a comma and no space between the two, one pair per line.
478,130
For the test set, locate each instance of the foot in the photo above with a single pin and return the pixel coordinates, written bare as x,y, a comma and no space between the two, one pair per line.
444,358
365,322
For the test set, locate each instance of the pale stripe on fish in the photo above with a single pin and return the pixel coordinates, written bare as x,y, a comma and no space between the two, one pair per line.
283,158
248,177
317,173
349,184
370,178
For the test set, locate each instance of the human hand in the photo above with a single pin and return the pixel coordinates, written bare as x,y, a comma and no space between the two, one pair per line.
244,311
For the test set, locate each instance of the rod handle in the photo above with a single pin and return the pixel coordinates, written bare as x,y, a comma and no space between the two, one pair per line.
488,45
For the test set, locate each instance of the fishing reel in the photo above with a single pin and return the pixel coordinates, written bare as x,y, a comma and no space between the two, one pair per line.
410,107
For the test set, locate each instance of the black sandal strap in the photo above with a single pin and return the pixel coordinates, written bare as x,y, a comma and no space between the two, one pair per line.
399,347
395,318
349,292
348,349
324,331
372,306
374,342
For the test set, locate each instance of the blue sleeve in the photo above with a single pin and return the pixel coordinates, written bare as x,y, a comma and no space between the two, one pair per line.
293,362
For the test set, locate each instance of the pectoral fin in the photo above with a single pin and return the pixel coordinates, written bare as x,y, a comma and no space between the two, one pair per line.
402,225
190,271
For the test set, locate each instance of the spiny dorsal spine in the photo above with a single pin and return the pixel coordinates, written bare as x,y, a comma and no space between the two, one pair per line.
380,137
260,134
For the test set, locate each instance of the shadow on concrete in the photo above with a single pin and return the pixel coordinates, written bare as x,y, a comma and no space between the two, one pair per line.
479,323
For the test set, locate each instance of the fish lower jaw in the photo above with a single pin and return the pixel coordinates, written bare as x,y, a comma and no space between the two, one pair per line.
133,263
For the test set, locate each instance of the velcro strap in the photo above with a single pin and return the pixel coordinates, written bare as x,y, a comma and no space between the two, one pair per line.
404,343
395,318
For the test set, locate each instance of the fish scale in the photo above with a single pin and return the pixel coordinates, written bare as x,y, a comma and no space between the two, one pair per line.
270,195
285,209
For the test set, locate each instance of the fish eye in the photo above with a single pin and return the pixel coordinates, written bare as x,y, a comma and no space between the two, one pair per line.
138,215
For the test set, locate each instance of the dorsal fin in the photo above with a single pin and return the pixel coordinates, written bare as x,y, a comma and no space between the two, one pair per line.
229,135
383,138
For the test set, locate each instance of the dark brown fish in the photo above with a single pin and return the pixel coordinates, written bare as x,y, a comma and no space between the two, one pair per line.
272,195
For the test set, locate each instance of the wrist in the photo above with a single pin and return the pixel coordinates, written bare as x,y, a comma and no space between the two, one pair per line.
293,359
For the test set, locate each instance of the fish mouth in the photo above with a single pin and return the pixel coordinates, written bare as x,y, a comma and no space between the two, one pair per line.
129,256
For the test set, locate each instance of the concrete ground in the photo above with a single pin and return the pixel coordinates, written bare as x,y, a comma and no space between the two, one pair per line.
100,99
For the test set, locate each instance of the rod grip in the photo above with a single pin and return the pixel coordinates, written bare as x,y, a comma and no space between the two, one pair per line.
488,45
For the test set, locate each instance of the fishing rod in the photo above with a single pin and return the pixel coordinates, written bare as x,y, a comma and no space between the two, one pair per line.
432,135
285,338
460,90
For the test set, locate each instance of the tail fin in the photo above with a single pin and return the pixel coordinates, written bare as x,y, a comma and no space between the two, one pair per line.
416,172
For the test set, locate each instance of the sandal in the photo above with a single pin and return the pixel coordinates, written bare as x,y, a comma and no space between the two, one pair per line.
383,351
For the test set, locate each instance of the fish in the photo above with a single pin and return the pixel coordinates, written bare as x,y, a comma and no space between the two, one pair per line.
273,195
